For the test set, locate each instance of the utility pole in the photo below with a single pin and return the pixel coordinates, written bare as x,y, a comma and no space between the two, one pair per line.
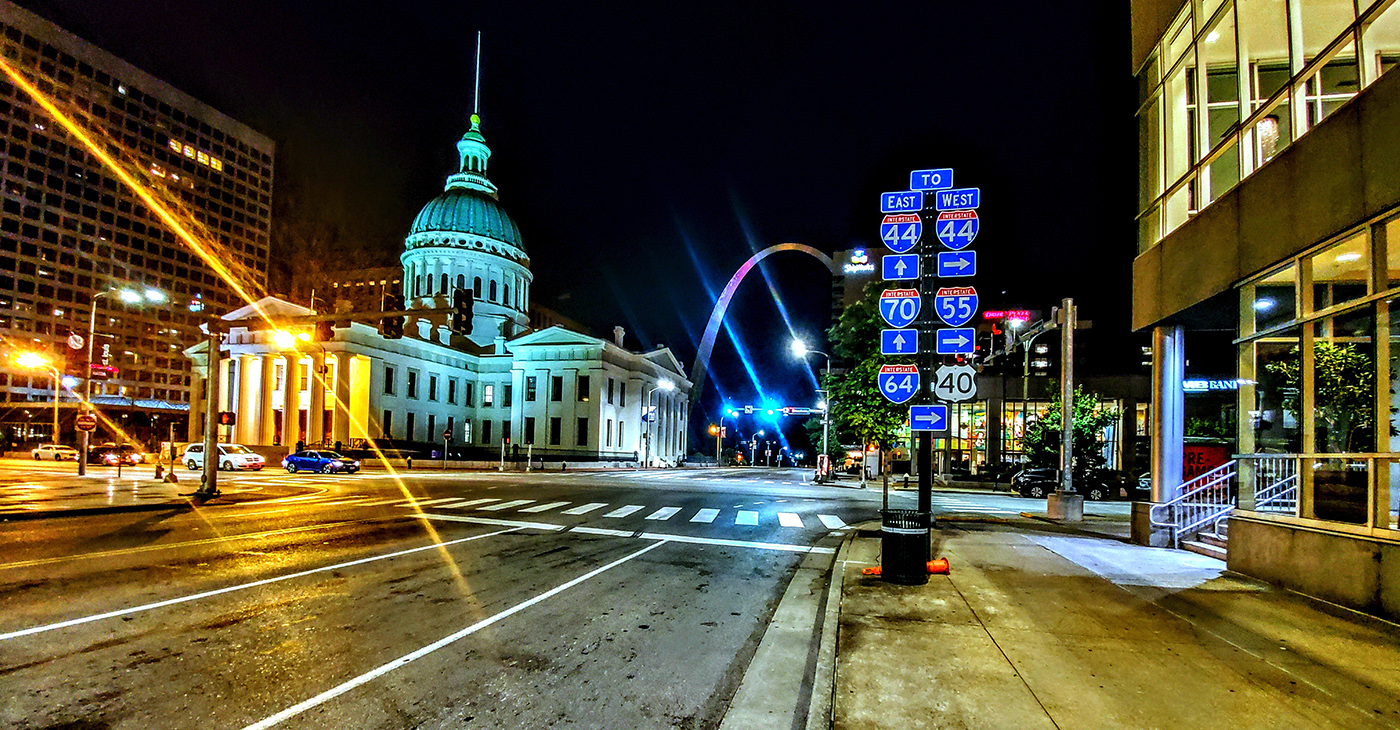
210,487
1064,504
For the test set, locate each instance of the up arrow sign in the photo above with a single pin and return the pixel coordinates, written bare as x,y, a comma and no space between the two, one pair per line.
900,267
899,342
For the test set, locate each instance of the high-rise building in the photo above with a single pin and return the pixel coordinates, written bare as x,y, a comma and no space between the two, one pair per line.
73,234
1268,176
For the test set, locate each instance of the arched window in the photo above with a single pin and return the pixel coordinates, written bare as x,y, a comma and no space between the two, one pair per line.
461,281
493,290
506,298
443,290
417,284
476,287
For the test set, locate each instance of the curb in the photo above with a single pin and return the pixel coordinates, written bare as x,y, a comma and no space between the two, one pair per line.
91,511
819,711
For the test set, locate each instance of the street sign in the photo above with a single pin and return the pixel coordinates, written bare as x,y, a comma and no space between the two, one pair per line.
957,228
103,372
954,383
901,231
928,418
748,410
958,199
909,201
899,342
795,411
957,263
900,268
956,305
75,341
85,422
931,179
900,307
898,383
956,341
227,418
447,435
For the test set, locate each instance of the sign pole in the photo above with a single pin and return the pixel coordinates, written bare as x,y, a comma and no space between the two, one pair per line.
210,487
1067,397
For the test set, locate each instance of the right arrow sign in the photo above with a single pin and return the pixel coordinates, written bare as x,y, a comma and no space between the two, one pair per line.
956,341
928,418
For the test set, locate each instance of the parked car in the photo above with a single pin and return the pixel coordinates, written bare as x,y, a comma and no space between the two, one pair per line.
231,456
112,455
55,452
325,462
1101,484
1035,483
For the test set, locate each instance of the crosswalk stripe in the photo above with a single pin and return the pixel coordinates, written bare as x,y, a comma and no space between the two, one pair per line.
832,522
423,502
460,503
789,519
377,502
746,517
508,505
705,515
624,511
584,509
544,507
665,513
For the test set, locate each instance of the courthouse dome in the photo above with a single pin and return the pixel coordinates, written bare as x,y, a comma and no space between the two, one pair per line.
468,203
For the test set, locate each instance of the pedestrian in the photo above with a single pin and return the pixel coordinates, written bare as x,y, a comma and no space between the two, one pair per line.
337,447
301,446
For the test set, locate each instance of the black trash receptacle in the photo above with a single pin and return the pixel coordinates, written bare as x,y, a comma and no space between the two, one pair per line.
904,546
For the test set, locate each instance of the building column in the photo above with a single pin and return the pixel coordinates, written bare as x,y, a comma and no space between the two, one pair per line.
291,402
340,421
246,405
1168,410
316,385
267,423
195,429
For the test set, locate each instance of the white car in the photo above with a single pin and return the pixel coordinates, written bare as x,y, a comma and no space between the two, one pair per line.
231,457
55,452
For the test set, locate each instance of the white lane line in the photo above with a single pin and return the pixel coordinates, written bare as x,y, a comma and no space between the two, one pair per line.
508,505
491,521
832,522
624,511
705,515
457,503
544,507
789,519
738,543
746,517
602,531
240,515
379,502
241,586
423,502
584,509
353,500
665,513
473,502
383,669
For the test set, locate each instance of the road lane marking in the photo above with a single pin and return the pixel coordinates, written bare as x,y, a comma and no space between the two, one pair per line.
423,502
584,509
789,519
832,522
746,517
665,513
624,511
491,521
784,547
241,586
508,505
383,669
705,515
468,503
544,507
603,531
377,502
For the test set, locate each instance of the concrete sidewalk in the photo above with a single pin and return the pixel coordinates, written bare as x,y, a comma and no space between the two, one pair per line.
136,490
1039,627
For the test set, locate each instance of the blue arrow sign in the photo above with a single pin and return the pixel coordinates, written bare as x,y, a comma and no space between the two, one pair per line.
901,231
957,341
928,418
899,342
959,199
931,179
898,383
900,307
956,305
909,201
898,268
957,263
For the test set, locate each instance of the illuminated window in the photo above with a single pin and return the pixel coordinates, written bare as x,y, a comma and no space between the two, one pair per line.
189,151
216,163
174,145
203,157
157,170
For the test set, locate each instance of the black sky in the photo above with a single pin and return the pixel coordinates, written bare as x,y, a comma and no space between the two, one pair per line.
634,139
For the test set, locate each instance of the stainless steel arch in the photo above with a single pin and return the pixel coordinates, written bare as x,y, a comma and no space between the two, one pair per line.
707,343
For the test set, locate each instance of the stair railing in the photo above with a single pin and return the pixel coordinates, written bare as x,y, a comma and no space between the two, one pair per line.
1203,500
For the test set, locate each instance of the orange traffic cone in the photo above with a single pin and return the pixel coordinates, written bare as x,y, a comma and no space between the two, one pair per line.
938,566
870,571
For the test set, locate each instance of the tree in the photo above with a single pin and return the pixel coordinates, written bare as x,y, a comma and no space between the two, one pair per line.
856,402
1041,442
1344,381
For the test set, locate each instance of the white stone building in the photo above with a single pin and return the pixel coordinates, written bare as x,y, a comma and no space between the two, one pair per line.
558,394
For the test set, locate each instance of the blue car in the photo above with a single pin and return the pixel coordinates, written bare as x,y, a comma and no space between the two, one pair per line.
325,462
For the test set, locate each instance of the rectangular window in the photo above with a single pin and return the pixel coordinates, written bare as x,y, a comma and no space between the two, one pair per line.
432,427
506,394
582,435
530,384
529,435
409,434
622,395
432,387
583,388
386,425
467,431
467,394
608,432
452,390
554,428
412,384
621,428
505,431
611,383
485,431
488,396
556,388
388,380
451,424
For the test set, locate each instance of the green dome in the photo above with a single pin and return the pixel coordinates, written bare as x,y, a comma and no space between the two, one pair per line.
460,210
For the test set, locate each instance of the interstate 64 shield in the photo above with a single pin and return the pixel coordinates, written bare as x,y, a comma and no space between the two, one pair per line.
898,383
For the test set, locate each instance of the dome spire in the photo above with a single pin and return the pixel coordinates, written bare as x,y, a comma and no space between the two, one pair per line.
472,152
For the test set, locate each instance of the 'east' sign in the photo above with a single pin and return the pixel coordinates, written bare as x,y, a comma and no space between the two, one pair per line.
901,231
956,305
900,307
898,383
909,201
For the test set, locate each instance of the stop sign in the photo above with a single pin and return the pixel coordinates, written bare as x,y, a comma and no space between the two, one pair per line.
85,422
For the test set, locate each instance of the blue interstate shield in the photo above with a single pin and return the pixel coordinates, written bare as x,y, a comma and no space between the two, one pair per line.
901,232
898,383
899,307
956,305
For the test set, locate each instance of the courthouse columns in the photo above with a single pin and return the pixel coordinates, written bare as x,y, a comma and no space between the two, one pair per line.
340,427
291,402
316,408
267,423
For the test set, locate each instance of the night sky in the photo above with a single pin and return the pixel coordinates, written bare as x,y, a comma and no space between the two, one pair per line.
647,149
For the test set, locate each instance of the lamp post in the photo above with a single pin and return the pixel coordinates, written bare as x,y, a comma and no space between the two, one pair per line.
800,350
35,361
129,296
666,385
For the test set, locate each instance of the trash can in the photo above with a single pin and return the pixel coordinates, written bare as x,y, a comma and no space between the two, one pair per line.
904,546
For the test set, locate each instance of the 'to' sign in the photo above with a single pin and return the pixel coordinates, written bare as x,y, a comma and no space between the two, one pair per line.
898,383
899,307
956,305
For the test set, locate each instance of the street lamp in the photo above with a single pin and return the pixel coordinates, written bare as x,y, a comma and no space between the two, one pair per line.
35,361
127,296
800,350
665,385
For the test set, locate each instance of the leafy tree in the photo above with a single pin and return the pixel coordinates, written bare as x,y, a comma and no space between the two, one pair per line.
857,406
1041,442
1344,380
1204,428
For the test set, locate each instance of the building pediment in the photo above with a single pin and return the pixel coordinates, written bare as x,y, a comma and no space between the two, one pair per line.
270,307
553,337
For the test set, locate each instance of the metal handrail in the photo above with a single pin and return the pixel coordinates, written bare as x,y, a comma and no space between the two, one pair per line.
1203,500
1193,488
1281,496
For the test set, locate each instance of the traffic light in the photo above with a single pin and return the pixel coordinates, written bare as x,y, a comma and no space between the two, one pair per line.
325,332
461,320
391,327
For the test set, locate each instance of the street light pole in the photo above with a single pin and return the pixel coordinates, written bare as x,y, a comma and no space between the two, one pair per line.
800,349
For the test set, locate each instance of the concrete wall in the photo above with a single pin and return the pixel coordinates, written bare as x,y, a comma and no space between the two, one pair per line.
1150,21
1341,173
1356,572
